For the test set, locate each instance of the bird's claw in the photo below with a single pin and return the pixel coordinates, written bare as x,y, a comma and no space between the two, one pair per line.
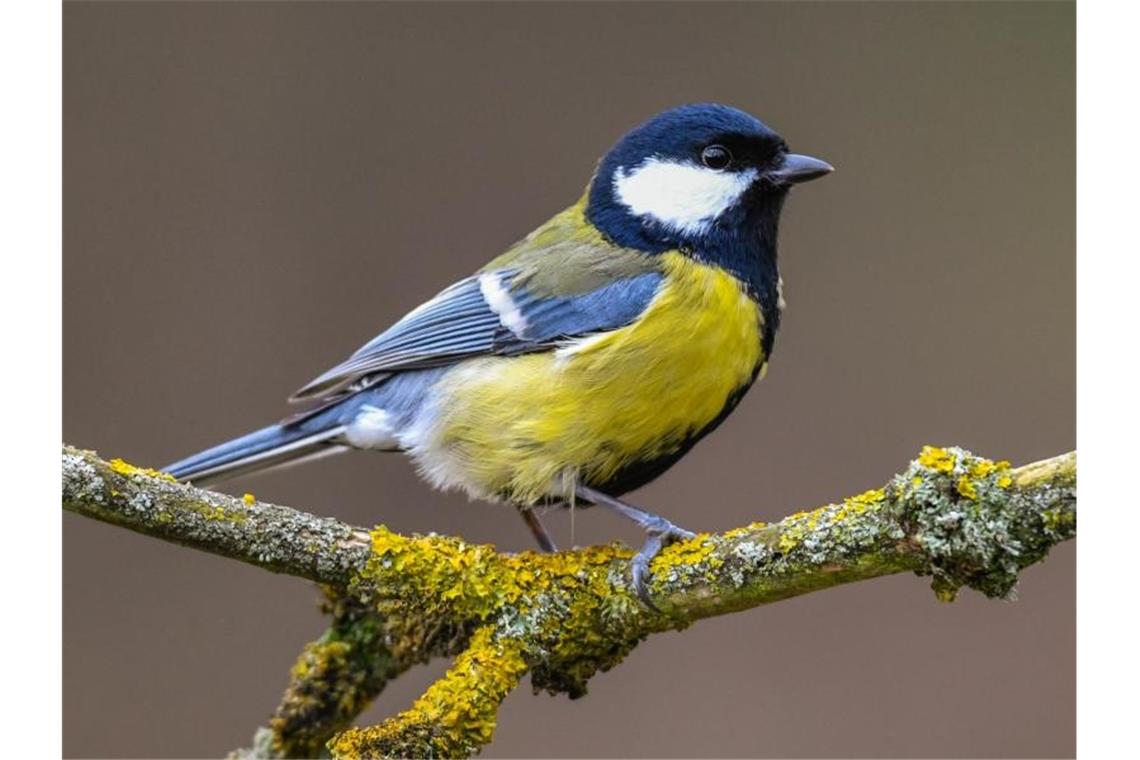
660,534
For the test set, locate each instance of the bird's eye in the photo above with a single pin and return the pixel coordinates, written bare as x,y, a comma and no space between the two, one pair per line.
716,157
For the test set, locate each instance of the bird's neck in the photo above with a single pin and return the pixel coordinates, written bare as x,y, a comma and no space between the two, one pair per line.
748,251
743,243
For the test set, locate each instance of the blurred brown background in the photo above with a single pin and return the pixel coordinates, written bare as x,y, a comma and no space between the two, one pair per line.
253,190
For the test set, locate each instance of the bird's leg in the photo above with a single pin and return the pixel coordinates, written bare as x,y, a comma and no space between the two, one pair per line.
545,542
659,533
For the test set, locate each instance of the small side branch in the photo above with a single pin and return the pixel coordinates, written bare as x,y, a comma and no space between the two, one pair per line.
339,674
456,716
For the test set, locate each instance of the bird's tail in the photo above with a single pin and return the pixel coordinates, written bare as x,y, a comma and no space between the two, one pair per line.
272,446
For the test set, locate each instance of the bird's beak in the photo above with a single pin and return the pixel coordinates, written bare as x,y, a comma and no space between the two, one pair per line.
797,168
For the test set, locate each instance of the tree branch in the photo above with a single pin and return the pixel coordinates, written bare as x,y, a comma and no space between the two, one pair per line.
963,520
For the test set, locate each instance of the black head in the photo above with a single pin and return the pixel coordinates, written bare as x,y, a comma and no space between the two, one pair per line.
691,176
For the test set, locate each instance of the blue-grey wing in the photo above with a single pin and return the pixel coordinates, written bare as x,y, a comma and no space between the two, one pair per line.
487,314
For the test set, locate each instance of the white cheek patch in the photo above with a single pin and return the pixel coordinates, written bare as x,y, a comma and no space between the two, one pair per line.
501,303
683,196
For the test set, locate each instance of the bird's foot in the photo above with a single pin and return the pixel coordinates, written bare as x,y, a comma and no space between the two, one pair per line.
660,533
658,537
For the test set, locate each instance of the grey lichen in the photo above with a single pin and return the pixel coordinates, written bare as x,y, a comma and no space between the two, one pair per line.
974,525
81,480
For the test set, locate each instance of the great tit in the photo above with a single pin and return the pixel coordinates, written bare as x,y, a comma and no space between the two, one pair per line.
591,355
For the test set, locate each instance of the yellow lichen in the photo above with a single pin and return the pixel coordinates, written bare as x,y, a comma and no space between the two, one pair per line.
966,488
794,528
982,468
864,501
475,580
936,459
787,542
128,469
686,554
248,499
744,530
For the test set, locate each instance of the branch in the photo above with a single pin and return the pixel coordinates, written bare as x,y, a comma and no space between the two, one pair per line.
963,520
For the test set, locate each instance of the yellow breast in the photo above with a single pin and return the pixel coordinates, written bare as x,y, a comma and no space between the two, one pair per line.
527,427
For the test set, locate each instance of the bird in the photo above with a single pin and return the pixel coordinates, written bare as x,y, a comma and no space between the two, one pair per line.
590,356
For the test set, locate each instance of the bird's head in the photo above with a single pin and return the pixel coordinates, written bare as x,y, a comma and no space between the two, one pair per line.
691,173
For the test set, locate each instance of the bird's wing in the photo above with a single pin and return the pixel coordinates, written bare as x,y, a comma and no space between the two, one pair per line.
563,281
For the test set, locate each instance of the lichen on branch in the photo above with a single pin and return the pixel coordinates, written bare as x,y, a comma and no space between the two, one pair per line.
961,519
